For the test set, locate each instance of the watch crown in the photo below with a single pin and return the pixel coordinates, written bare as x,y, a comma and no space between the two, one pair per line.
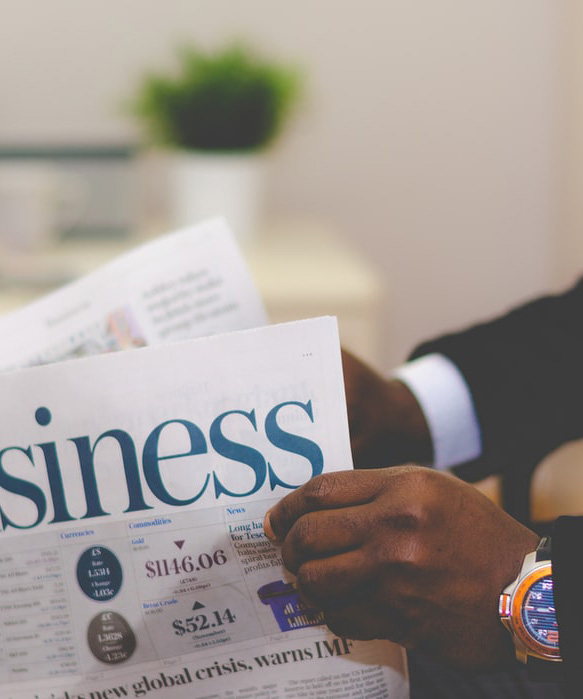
504,605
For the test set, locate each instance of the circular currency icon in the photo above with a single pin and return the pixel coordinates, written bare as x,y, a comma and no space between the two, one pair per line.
99,573
110,637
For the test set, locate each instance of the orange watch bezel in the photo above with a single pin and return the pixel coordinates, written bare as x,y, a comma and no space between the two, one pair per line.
518,597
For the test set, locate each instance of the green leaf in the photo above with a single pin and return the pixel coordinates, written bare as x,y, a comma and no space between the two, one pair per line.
228,100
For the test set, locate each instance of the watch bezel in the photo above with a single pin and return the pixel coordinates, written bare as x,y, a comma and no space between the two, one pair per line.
532,645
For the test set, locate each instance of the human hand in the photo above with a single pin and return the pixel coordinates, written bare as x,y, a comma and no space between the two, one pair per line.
386,424
405,553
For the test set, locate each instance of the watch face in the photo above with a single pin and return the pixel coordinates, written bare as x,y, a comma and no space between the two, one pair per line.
538,613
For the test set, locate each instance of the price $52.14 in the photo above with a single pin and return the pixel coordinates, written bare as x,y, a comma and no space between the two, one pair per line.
200,622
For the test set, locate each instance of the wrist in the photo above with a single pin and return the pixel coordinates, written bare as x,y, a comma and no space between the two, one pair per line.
447,404
406,425
387,424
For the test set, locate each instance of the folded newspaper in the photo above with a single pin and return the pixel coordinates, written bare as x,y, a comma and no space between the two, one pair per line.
133,487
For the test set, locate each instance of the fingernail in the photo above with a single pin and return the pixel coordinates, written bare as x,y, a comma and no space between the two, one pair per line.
267,529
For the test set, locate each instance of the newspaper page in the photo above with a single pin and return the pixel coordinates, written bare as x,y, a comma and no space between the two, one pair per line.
187,284
191,283
133,487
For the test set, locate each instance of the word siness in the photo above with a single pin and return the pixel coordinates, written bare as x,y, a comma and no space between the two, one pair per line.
143,479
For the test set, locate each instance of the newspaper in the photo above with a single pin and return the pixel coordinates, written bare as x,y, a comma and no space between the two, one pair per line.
192,283
133,487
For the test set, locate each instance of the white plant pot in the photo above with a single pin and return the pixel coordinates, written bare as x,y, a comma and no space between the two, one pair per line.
230,185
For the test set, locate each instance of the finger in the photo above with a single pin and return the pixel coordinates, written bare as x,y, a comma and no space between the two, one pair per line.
341,580
327,491
325,533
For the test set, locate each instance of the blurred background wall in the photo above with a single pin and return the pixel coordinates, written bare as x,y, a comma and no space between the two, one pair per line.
442,138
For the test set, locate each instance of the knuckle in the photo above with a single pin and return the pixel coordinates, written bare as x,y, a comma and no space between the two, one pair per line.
305,534
413,559
289,558
403,521
403,557
319,489
310,580
406,521
414,476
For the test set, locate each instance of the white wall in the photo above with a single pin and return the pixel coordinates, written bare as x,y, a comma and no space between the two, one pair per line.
570,238
433,133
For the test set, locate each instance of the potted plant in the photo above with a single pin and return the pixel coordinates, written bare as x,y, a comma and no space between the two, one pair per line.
217,113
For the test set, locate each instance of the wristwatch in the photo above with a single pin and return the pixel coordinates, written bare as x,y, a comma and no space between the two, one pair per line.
527,610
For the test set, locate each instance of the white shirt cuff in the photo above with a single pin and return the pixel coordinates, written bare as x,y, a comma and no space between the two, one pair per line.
446,401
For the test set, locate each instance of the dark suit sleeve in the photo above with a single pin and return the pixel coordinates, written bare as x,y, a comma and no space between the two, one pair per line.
567,578
525,374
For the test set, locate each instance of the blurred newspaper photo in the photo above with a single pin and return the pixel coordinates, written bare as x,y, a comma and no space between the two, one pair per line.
191,283
133,487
